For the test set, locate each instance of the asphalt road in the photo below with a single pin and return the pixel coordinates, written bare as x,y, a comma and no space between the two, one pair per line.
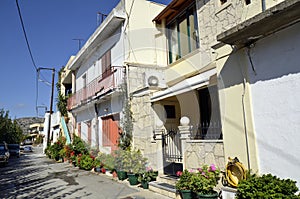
35,176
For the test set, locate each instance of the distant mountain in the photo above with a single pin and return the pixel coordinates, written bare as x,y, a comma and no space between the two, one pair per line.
25,122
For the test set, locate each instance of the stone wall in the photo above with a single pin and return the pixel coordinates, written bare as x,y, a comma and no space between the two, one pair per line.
215,18
199,152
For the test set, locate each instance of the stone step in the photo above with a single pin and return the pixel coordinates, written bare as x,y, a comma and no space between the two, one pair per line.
164,189
167,179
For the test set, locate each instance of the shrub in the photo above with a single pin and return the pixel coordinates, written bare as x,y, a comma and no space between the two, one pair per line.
185,179
79,146
266,186
85,162
205,179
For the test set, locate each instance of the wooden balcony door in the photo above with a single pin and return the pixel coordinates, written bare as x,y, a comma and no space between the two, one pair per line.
110,132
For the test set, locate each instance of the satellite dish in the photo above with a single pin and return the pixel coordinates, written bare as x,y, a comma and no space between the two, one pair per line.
153,81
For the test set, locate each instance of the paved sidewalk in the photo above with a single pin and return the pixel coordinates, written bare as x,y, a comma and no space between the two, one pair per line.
134,192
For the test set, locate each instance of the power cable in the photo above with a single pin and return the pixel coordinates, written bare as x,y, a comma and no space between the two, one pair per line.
25,35
31,56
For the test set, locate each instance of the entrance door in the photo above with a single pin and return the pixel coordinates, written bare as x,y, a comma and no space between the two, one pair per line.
110,132
172,153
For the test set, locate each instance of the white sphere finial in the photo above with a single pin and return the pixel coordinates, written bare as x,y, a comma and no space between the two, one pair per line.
159,124
184,121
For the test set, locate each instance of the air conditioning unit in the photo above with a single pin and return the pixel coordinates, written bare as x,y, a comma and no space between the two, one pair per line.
156,80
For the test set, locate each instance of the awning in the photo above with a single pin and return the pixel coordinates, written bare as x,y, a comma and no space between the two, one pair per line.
186,85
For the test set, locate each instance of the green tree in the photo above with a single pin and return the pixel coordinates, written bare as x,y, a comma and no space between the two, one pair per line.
10,131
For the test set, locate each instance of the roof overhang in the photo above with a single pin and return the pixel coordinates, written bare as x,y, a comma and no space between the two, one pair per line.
184,86
270,21
104,31
173,9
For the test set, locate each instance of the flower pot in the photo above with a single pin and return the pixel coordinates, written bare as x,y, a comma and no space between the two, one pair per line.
114,174
186,194
208,196
133,179
145,184
122,175
97,169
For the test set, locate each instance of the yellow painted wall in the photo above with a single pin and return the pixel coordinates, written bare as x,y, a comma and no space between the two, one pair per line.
140,31
236,120
183,68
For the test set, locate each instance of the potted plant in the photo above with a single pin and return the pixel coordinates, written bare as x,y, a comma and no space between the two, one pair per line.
135,164
119,156
184,185
204,180
145,178
266,186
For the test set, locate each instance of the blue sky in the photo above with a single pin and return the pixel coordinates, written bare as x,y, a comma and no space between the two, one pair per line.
51,26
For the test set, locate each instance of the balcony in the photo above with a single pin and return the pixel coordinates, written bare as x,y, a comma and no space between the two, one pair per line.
101,85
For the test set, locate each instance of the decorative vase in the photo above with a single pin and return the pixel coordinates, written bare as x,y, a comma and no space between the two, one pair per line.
145,184
132,178
186,194
208,196
122,175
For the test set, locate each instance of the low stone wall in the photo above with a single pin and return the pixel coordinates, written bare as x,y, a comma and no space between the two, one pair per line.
199,152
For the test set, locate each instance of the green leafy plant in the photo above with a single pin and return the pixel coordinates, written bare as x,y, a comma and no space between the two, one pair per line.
85,162
205,179
79,147
106,160
266,186
185,179
131,161
125,137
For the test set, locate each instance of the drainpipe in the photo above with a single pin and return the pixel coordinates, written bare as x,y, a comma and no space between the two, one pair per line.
263,5
245,125
96,126
127,79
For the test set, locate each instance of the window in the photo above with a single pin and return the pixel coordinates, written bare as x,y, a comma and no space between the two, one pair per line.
182,34
170,111
210,119
106,64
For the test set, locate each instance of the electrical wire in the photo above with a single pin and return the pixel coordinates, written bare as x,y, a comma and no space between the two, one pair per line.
25,35
31,56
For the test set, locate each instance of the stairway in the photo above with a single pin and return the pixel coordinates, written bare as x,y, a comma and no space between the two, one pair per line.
165,185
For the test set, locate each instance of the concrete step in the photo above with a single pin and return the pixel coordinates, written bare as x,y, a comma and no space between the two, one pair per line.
168,179
165,185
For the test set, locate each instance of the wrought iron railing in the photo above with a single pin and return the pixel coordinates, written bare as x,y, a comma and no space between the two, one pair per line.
207,131
172,146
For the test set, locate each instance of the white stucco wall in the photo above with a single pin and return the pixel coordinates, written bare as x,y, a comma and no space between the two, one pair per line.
275,97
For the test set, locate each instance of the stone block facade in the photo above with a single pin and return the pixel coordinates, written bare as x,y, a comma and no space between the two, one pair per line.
199,152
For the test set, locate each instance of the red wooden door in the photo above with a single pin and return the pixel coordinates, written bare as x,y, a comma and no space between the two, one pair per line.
110,132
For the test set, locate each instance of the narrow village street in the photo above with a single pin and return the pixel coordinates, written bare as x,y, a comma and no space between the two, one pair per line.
35,176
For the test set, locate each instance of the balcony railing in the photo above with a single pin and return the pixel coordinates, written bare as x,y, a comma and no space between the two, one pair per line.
100,85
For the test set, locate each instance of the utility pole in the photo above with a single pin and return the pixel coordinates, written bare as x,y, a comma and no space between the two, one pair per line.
51,102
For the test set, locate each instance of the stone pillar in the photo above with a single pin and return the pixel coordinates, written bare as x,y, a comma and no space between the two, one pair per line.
157,139
185,132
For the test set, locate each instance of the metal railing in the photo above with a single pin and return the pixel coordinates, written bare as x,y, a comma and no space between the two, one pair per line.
207,131
172,146
101,84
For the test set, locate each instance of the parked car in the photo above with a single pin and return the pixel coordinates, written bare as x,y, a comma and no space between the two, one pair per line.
28,149
14,150
4,153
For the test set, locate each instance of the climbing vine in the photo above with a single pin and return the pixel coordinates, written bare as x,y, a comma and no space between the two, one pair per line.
125,137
